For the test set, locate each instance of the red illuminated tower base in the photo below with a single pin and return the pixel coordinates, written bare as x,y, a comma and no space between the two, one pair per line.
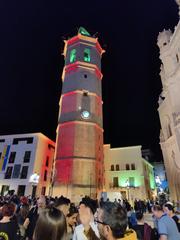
79,143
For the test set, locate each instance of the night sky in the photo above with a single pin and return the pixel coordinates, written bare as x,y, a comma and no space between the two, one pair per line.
31,64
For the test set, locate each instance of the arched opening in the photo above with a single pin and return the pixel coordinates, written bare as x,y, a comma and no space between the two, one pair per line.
73,55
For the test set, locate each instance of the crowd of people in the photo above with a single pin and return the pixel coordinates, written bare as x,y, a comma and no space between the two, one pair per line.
47,218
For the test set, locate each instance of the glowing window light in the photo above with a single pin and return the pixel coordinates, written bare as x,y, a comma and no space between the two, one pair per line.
87,57
73,55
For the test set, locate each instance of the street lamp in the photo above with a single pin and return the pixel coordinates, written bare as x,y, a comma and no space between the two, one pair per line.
127,186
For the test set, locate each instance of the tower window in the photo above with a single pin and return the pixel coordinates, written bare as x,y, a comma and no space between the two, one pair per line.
85,75
87,57
73,55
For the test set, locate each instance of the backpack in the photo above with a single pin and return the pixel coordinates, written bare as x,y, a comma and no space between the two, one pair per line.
155,234
147,232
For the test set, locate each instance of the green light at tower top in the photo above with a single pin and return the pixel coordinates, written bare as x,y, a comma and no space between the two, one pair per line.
83,31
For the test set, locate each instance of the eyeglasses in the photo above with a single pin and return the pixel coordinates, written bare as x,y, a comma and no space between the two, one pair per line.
97,221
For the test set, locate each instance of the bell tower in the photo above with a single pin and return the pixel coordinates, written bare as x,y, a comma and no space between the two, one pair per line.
79,166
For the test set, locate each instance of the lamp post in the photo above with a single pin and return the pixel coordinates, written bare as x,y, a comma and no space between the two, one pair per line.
127,186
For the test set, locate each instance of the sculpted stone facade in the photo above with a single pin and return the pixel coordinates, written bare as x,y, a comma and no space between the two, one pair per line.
169,107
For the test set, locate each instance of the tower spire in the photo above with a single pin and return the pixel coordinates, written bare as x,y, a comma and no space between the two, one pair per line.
83,31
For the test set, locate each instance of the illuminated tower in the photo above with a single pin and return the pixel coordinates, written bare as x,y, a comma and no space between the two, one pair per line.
79,143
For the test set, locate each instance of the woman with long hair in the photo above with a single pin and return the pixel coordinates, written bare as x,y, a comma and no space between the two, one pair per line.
51,225
71,221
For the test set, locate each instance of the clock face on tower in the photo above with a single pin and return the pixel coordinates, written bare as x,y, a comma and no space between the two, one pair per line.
85,114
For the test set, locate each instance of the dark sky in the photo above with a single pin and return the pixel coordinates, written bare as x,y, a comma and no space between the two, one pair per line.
31,64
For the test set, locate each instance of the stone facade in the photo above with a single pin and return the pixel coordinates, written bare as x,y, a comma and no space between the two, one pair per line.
169,107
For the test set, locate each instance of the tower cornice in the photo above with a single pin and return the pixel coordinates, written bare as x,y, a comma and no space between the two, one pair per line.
78,64
81,37
81,92
81,123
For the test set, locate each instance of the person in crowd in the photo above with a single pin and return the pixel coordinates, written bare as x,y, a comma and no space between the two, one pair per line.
32,217
143,230
8,227
169,210
149,205
51,225
132,221
112,223
86,205
63,204
167,228
21,217
71,221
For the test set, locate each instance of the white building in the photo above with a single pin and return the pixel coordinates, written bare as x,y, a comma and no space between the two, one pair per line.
128,173
169,106
26,163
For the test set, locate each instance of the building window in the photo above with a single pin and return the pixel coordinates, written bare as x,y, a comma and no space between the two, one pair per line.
133,166
127,167
0,154
43,191
24,172
21,190
87,57
28,140
73,55
112,167
115,182
8,173
45,175
16,171
47,161
117,167
27,156
131,182
12,157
